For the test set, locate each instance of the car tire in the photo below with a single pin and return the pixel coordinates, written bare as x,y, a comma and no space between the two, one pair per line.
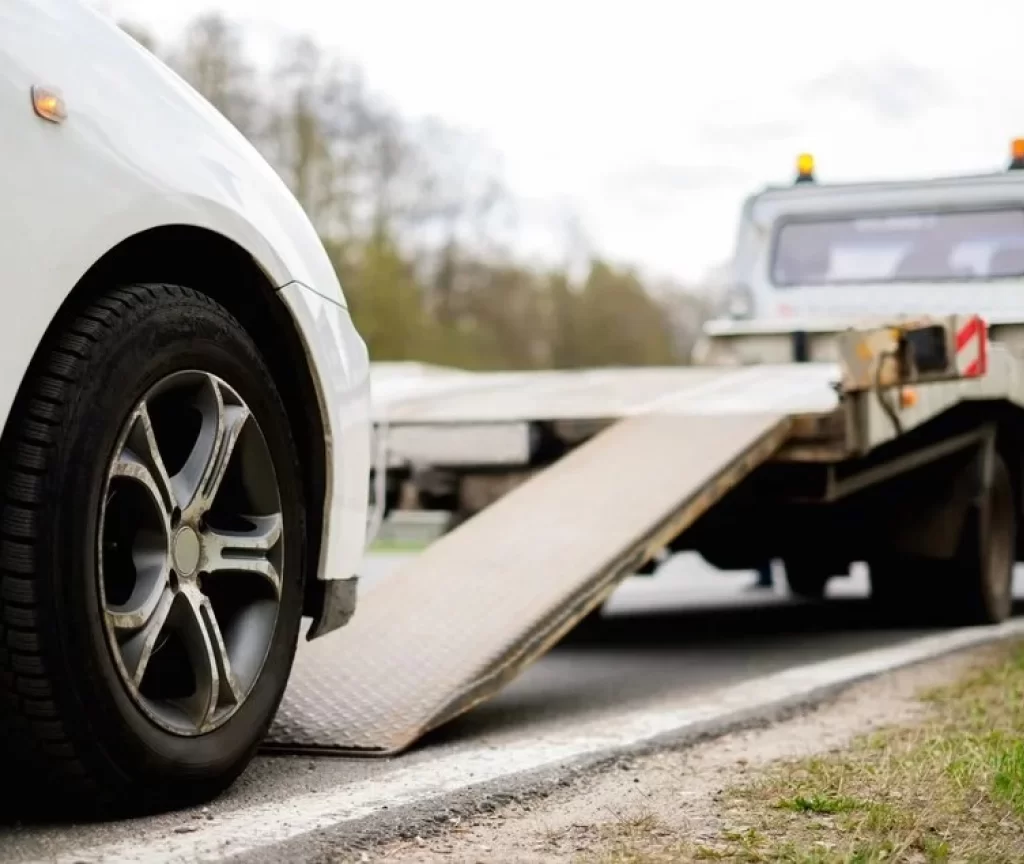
81,547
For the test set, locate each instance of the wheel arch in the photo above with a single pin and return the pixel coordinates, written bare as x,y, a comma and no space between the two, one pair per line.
209,262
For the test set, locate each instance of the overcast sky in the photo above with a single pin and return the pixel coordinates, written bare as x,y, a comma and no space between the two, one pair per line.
651,122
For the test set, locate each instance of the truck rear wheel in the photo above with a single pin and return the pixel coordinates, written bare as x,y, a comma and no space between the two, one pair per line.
151,558
806,579
975,587
982,573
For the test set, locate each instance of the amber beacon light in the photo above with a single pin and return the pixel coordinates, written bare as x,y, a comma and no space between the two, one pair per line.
49,104
1017,154
805,168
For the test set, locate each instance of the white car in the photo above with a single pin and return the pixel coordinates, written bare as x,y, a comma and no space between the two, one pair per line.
186,446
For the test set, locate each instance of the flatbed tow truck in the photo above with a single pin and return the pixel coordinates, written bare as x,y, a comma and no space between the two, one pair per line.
898,444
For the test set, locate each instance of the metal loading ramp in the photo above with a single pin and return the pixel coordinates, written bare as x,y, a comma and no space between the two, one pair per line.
453,626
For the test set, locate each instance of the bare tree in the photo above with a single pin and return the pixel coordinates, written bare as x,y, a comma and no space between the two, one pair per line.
213,60
417,222
455,194
303,132
139,34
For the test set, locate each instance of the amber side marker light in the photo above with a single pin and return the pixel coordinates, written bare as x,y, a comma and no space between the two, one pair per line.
49,104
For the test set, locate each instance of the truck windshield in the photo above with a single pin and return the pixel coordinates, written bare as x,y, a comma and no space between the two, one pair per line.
900,247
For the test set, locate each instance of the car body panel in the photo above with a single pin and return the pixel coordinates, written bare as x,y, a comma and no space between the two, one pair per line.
140,149
339,356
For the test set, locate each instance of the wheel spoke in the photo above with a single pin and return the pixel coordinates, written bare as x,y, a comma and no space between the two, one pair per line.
151,583
207,651
229,691
137,650
140,460
197,483
191,466
246,551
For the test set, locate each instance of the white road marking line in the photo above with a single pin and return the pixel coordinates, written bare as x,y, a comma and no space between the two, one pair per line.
261,826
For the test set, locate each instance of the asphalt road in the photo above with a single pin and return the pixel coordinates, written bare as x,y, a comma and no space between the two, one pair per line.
688,631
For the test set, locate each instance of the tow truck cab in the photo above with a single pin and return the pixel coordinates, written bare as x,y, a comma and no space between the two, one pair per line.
938,246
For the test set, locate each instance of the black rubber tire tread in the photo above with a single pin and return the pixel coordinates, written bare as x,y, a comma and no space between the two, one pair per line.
36,735
954,592
970,600
905,593
806,579
29,713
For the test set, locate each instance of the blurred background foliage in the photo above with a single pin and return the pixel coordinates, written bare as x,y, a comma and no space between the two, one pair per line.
416,222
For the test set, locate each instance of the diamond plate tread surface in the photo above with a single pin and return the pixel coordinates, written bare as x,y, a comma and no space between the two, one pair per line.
465,616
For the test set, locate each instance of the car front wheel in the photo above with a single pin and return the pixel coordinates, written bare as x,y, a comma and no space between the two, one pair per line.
151,554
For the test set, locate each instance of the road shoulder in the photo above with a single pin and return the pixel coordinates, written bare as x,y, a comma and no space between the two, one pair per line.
763,794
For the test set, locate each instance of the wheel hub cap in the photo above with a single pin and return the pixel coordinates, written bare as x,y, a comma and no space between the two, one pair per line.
186,551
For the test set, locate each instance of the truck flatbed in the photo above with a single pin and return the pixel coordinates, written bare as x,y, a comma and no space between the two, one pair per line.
610,467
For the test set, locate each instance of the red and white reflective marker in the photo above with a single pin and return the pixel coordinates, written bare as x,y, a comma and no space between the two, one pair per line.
971,347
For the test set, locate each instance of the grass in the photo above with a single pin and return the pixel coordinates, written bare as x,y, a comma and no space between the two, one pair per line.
821,803
950,788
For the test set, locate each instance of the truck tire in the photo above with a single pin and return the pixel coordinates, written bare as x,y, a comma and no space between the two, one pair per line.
806,579
975,587
151,558
900,590
981,575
